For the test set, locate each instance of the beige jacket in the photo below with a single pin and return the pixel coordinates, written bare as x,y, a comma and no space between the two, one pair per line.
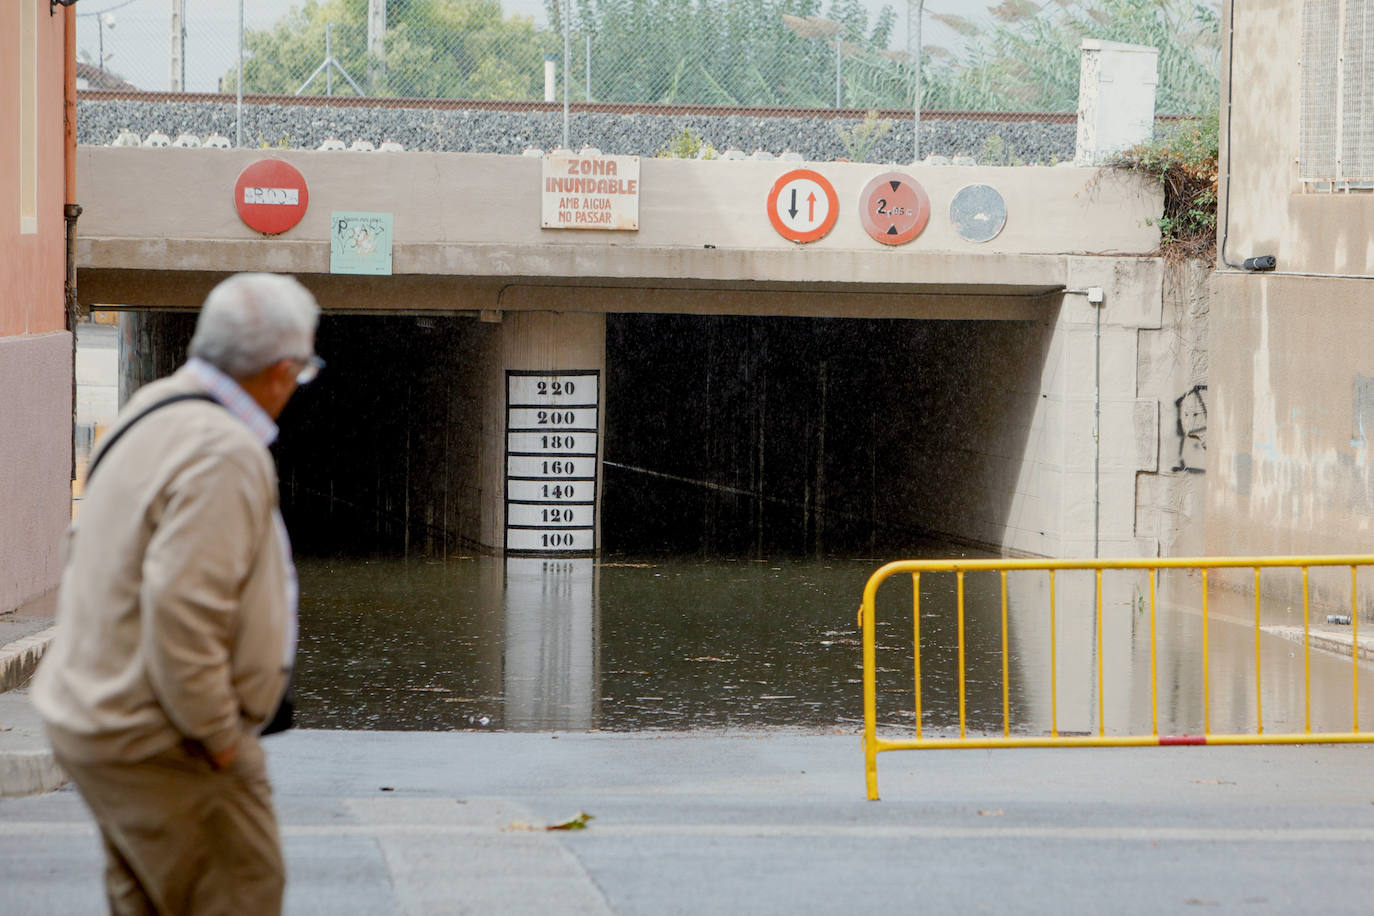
171,615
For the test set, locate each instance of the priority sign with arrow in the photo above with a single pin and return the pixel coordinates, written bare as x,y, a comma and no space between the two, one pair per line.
894,208
803,205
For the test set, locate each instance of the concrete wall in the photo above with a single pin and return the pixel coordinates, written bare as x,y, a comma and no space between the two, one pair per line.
1270,212
1173,371
161,228
35,348
1289,466
1019,443
35,463
1291,413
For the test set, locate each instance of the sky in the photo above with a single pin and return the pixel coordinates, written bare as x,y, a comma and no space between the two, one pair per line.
136,45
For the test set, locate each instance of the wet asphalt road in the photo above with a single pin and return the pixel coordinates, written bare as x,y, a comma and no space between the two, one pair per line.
772,822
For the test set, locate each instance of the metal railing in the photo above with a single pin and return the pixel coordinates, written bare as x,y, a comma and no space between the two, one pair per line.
1100,736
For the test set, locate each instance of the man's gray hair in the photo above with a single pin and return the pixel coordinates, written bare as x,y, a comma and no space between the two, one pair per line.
251,321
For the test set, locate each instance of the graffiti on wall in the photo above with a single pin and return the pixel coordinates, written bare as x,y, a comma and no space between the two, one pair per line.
1190,413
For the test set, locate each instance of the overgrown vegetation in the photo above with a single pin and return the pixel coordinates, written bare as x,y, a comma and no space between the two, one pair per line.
686,144
1185,164
859,139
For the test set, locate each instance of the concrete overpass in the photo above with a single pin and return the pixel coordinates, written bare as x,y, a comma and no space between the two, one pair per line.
966,381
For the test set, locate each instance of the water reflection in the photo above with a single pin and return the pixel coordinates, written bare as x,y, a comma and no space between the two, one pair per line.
679,643
551,677
536,644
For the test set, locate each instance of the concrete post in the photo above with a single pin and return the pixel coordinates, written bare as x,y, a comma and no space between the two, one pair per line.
376,44
528,447
176,62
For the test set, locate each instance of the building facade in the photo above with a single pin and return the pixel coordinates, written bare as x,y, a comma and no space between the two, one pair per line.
1290,401
35,345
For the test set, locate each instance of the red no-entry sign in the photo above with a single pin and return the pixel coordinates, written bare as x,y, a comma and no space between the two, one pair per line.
271,196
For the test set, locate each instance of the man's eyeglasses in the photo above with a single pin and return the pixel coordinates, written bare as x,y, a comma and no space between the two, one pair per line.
310,368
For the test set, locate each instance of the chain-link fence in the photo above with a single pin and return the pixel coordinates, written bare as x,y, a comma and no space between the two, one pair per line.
763,53
646,77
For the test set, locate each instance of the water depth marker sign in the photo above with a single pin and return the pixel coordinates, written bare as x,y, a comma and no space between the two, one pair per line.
803,206
552,445
894,208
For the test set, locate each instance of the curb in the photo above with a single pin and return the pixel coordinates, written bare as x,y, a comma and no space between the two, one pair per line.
19,659
27,766
1333,641
29,773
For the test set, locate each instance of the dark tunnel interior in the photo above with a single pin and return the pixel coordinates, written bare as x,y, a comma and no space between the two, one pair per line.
734,436
723,436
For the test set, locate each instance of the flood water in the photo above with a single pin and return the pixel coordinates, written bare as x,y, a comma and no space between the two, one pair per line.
681,643
579,644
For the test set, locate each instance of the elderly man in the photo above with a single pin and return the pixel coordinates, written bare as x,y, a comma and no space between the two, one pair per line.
176,616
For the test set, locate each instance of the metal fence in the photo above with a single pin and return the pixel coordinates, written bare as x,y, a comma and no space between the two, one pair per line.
703,78
1119,706
764,53
617,54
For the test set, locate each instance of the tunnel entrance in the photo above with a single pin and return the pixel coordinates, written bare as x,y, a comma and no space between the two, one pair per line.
378,456
724,436
752,436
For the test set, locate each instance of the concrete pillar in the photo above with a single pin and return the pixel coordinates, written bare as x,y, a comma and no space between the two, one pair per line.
376,45
542,433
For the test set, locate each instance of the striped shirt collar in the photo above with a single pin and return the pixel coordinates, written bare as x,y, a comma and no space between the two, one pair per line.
237,401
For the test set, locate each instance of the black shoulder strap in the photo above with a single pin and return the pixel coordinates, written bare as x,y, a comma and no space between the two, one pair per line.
109,443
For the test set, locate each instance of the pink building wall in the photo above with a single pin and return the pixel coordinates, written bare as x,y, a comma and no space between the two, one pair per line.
35,347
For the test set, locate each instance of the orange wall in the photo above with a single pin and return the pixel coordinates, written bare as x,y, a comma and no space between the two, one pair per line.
32,267
35,347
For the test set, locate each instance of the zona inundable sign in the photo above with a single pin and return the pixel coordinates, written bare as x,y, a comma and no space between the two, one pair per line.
590,192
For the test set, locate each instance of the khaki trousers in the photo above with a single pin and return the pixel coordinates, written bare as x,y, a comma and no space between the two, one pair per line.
183,838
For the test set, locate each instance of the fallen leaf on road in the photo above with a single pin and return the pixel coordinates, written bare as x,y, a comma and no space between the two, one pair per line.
991,812
579,822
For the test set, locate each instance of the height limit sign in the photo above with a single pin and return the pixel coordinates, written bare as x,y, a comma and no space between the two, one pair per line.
803,205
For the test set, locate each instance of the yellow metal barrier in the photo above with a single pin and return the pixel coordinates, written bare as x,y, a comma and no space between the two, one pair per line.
873,744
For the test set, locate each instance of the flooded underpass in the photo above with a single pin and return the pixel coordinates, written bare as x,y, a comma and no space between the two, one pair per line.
753,468
623,645
686,643
757,472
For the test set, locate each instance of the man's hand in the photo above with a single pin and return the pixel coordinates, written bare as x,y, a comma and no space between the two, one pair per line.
224,758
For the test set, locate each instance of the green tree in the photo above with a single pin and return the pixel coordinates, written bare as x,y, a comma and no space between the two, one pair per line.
1028,61
714,52
433,49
